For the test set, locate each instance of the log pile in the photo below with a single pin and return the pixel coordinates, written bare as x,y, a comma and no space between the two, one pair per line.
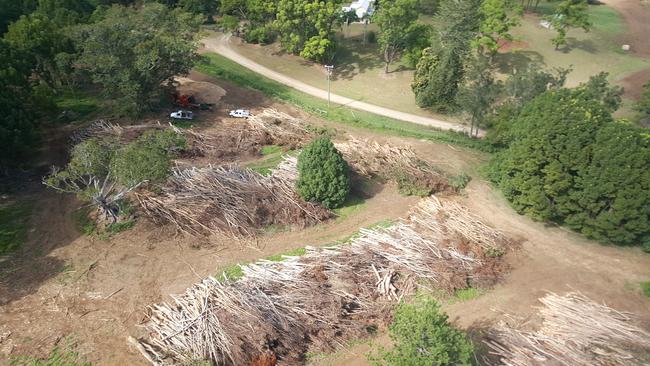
282,128
319,300
575,331
229,200
386,161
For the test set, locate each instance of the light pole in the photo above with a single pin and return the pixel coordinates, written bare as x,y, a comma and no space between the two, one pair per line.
329,69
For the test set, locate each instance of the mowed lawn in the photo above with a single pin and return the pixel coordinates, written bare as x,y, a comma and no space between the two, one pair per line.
358,74
588,53
359,67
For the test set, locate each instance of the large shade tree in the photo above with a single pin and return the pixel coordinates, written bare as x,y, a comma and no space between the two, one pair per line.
135,53
18,132
568,14
306,27
396,20
441,69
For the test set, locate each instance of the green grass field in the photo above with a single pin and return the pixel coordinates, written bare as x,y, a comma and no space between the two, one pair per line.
14,219
220,67
588,53
359,69
358,72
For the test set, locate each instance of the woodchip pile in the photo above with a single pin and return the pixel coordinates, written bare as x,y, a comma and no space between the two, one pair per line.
281,310
574,331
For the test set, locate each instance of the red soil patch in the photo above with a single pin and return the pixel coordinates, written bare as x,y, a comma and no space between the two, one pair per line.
507,46
633,84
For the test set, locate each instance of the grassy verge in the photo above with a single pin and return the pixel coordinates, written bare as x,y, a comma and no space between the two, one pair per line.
645,288
14,220
271,157
82,106
57,357
220,67
82,221
352,205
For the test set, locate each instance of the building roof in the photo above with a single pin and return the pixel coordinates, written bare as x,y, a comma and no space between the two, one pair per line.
362,8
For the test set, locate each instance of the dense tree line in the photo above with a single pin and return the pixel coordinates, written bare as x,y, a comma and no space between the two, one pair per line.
52,47
567,160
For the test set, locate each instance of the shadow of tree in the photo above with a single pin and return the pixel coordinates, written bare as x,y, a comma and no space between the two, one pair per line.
507,63
586,45
353,57
24,271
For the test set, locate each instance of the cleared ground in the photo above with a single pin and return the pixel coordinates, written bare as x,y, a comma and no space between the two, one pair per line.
63,285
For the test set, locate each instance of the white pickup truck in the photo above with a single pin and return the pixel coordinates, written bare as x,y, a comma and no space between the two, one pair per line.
182,115
240,113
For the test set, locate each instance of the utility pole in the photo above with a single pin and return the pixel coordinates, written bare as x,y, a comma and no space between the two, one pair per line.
329,69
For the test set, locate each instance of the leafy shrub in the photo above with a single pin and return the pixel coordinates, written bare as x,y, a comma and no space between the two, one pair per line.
146,159
323,175
259,34
422,336
646,246
408,185
570,162
460,181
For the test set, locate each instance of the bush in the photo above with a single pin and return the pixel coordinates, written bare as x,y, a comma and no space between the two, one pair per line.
460,181
408,185
422,336
323,174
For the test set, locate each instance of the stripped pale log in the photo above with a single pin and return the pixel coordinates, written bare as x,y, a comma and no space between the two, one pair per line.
575,331
319,300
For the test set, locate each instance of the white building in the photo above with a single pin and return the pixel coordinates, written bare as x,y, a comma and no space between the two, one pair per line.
363,8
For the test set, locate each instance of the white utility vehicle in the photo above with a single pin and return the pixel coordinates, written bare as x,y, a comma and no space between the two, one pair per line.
182,115
240,113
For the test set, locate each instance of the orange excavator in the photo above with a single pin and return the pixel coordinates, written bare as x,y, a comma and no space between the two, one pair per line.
188,101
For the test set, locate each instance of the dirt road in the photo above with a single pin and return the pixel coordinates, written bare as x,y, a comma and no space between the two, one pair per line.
221,45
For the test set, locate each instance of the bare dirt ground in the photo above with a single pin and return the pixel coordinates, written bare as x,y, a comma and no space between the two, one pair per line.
95,291
637,19
633,84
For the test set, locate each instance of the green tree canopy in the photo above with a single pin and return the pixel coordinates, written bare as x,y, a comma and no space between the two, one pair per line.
568,14
479,94
422,336
498,17
568,161
18,128
42,39
441,69
65,12
323,174
135,53
396,19
306,27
